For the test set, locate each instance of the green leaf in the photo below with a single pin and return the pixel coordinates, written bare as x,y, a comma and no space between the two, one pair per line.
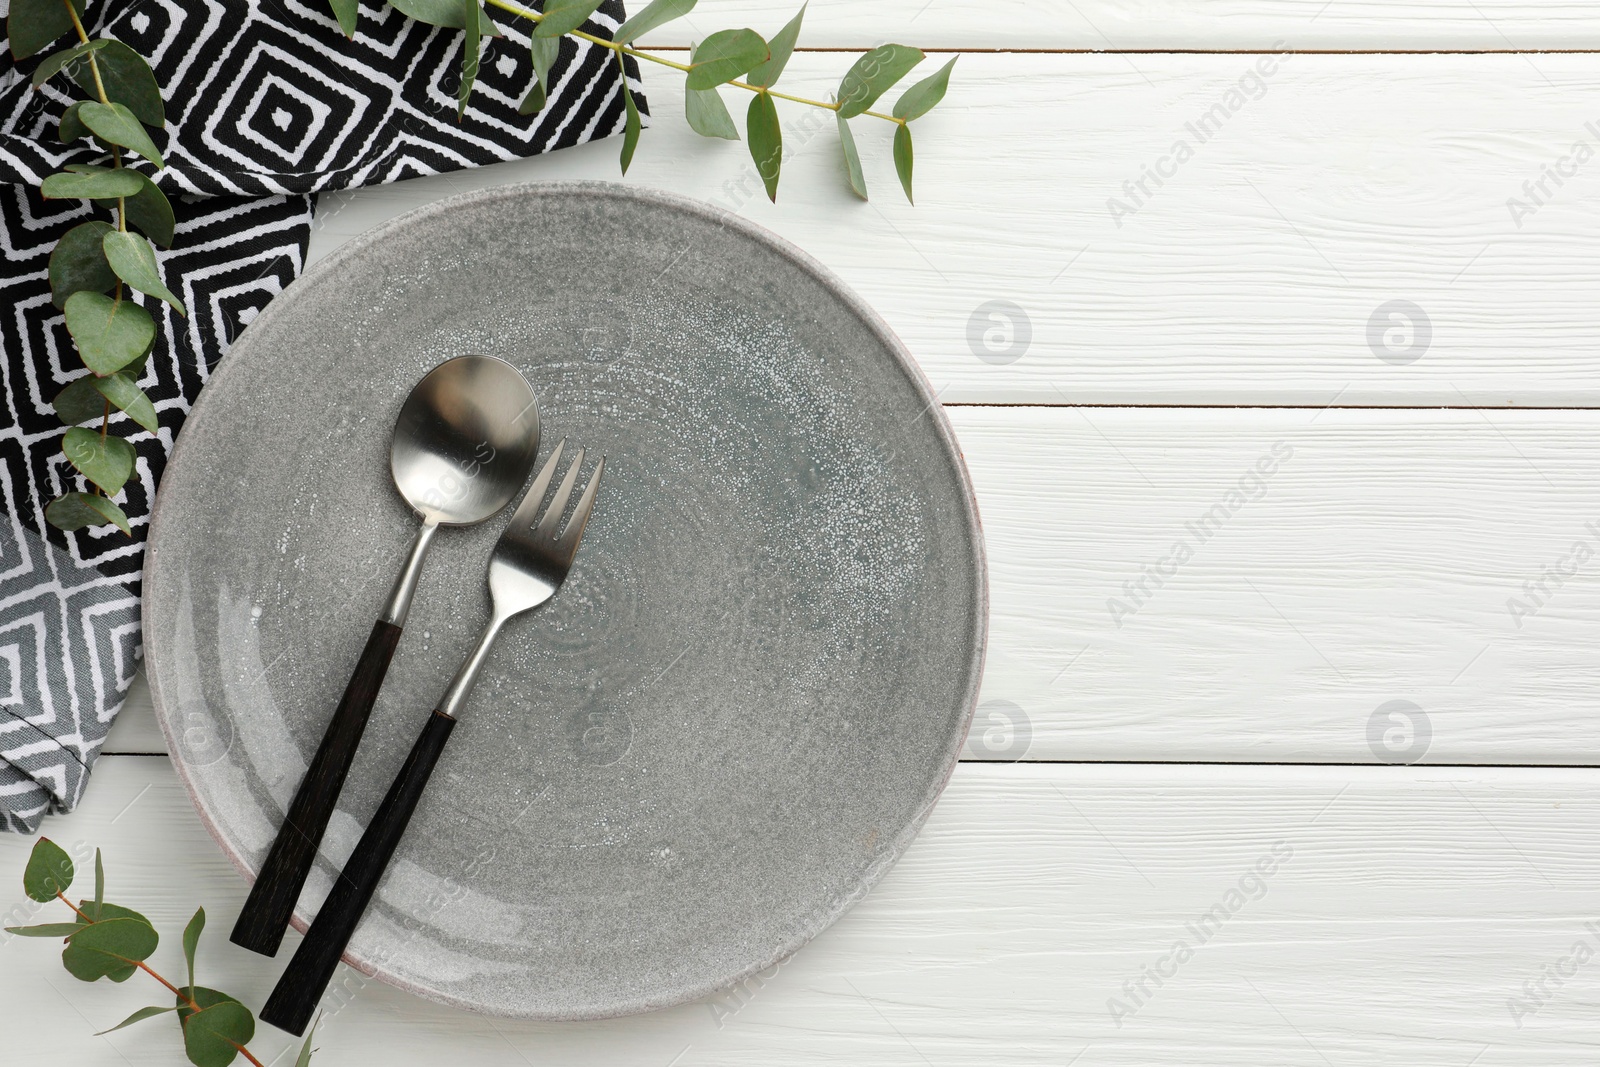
655,14
44,930
103,459
92,183
51,65
304,1059
347,12
109,949
80,402
564,16
75,511
766,141
630,133
150,212
202,996
450,14
920,99
471,50
782,47
78,263
128,81
117,125
852,158
110,333
135,263
545,52
71,127
138,1017
708,115
873,75
213,1036
122,391
99,887
49,869
902,158
191,939
724,56
32,24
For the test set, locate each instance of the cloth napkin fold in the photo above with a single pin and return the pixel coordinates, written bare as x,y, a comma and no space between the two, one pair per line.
266,106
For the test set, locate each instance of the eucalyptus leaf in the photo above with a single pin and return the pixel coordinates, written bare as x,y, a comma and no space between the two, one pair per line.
782,47
109,949
115,124
766,141
708,115
724,56
109,910
920,99
77,511
124,393
128,81
545,51
138,1017
304,1059
902,158
49,871
71,127
630,133
348,13
44,930
150,212
654,15
471,51
32,24
110,334
852,158
78,263
51,65
451,14
873,75
564,16
99,887
191,940
135,263
92,183
202,996
105,460
80,402
213,1036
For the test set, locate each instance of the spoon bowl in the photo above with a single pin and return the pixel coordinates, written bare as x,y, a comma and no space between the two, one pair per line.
465,440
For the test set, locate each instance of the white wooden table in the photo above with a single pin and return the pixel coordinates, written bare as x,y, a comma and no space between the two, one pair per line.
1235,712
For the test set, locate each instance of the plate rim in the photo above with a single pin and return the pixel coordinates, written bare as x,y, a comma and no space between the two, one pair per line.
818,920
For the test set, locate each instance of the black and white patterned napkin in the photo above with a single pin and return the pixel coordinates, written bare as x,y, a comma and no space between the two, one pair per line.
267,104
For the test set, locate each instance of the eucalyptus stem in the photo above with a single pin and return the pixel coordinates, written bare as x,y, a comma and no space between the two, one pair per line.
622,49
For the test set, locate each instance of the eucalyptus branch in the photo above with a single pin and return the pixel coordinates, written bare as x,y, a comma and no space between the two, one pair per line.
95,263
740,59
109,941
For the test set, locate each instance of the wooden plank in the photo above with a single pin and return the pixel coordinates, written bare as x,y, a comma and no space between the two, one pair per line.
1163,24
1404,910
1382,558
1293,260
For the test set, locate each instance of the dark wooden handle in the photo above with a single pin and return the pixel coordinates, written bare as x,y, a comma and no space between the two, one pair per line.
295,997
271,902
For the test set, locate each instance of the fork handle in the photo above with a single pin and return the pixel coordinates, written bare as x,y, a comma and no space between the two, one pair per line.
272,898
294,999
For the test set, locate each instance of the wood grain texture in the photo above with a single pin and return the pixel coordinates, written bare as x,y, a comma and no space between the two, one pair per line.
1161,24
1407,907
1264,271
1383,557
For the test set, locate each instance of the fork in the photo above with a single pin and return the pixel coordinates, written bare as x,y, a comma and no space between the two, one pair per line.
529,563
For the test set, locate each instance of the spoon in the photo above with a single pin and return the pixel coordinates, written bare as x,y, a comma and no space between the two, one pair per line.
463,445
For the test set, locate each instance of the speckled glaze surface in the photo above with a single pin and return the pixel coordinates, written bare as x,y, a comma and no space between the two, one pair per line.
731,719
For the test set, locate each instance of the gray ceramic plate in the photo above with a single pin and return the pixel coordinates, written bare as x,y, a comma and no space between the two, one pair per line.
734,715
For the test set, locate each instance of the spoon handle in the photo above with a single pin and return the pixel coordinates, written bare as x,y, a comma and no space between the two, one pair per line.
294,999
271,902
